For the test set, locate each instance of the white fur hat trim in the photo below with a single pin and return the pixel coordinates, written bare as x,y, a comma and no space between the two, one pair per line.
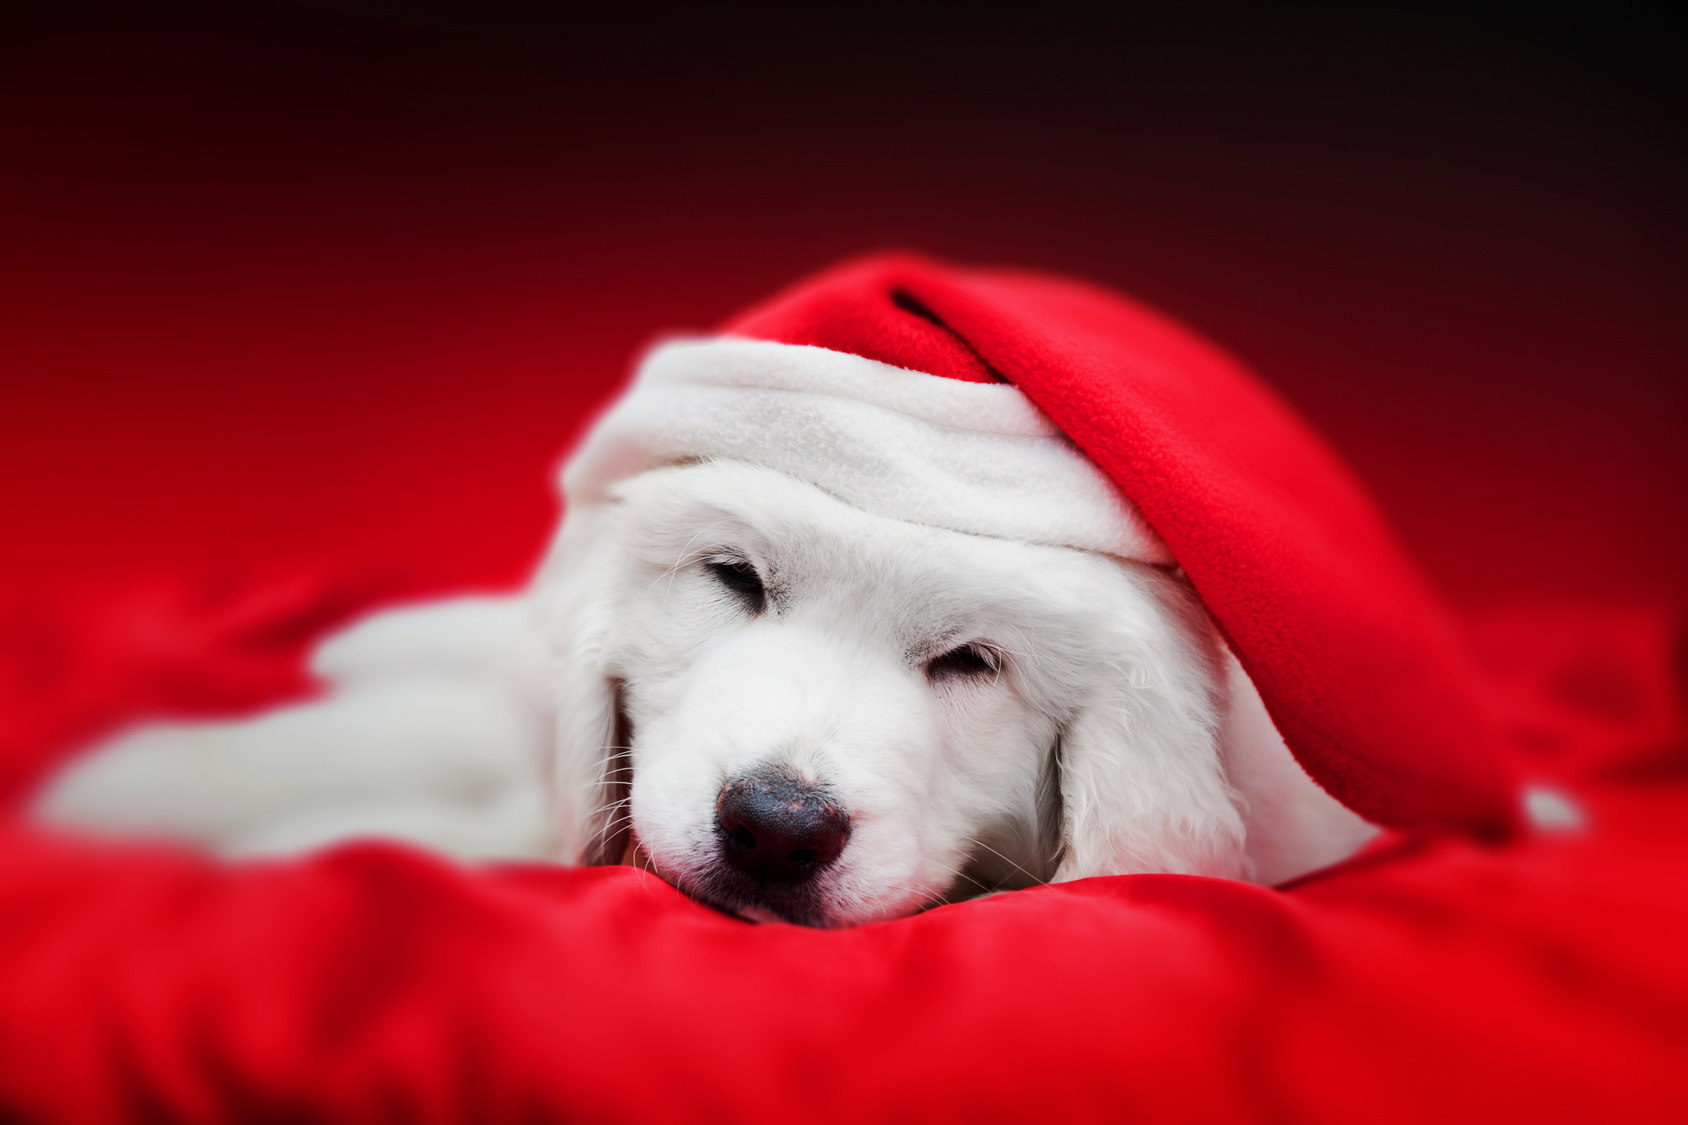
970,457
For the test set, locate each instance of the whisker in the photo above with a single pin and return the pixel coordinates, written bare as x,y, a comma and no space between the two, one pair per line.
1010,862
1032,654
686,554
944,898
956,872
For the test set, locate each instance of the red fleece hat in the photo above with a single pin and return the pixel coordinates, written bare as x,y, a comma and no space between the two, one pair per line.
1357,660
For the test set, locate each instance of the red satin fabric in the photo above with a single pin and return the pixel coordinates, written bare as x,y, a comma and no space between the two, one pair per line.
1435,978
1438,977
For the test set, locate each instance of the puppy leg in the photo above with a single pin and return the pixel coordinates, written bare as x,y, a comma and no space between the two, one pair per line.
435,732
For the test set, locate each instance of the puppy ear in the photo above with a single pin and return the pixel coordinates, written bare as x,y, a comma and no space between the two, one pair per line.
1142,784
1293,825
611,828
592,773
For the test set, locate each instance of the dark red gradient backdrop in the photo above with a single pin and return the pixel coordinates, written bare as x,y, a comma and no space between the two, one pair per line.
298,310
277,289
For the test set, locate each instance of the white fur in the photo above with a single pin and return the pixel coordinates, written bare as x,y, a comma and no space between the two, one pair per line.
1293,826
830,679
893,517
435,726
975,457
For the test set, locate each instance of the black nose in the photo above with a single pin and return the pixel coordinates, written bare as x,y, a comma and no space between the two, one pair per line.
777,827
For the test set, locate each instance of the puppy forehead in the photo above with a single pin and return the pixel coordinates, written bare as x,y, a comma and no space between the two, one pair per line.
705,507
819,544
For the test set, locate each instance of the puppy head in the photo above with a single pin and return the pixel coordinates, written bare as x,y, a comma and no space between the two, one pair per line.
804,711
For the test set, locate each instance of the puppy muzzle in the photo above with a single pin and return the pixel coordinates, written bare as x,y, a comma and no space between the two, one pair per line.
776,836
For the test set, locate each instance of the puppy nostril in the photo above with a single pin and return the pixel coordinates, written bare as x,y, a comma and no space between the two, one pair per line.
778,828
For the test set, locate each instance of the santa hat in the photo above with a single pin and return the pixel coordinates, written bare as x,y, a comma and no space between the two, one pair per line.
1044,410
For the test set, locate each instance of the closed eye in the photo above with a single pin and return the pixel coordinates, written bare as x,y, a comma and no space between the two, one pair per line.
741,579
968,662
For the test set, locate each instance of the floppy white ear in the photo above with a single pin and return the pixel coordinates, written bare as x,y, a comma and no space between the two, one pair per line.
1293,825
1142,783
591,775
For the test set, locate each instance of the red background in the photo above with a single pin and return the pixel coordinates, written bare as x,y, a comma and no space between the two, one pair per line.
326,295
277,290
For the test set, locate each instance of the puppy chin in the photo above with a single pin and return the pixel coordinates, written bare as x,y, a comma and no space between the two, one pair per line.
754,910
705,878
827,904
733,893
806,906
817,905
635,856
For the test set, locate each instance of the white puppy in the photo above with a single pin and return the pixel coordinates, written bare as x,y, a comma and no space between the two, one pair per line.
900,713
787,705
